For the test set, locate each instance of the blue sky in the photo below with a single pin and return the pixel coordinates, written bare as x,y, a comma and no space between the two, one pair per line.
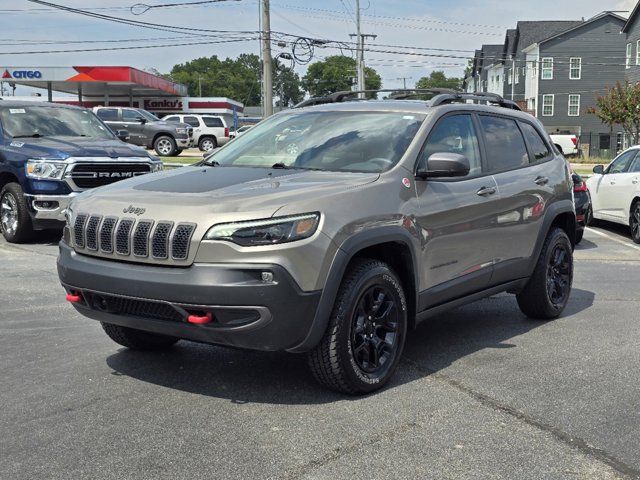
451,24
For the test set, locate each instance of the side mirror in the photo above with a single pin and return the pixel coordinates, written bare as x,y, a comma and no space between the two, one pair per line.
577,180
123,135
142,120
598,169
445,164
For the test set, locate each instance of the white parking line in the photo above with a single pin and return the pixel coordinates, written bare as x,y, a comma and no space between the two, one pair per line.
610,237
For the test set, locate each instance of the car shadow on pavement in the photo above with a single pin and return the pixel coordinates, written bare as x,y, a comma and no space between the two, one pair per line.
243,376
47,237
586,245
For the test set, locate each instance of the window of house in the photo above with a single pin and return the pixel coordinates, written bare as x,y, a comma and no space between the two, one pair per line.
629,48
547,68
510,77
517,75
574,105
638,52
547,105
504,143
534,69
539,149
575,68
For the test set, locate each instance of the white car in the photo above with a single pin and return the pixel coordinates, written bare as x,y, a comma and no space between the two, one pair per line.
209,131
566,144
240,131
615,191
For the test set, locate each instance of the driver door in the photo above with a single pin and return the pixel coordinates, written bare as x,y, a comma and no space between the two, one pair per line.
609,195
134,123
457,217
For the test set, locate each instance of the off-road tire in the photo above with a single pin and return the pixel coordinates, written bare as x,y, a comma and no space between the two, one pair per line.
332,361
162,139
137,339
579,235
534,299
24,231
203,140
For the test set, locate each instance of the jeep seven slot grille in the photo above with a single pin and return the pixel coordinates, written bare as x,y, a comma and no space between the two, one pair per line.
131,237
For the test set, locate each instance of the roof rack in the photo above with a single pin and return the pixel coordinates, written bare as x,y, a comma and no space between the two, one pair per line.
441,96
488,98
397,94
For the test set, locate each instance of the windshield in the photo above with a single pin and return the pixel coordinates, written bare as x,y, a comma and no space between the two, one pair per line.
336,141
148,115
38,121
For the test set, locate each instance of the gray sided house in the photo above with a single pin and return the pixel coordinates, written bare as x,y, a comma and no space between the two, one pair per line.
567,71
631,49
515,67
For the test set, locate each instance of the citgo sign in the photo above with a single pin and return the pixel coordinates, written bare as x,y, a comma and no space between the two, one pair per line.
22,74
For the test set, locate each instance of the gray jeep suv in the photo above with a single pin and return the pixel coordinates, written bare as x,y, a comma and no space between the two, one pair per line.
385,214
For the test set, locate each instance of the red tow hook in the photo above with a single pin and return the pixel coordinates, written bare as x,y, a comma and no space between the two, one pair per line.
200,320
73,298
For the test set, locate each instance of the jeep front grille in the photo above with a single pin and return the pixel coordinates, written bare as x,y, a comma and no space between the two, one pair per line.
128,237
91,175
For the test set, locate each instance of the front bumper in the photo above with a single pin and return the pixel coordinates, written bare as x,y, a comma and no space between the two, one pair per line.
184,142
247,310
48,211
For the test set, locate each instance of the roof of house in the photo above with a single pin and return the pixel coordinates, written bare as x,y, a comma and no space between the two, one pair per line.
509,46
491,54
530,32
632,17
582,24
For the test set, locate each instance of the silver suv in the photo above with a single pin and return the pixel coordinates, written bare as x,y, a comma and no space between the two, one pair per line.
385,214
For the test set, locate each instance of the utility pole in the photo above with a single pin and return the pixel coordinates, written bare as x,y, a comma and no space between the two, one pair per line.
360,51
199,85
267,81
404,81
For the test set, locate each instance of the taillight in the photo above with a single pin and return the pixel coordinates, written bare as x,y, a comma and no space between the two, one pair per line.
226,131
575,141
580,187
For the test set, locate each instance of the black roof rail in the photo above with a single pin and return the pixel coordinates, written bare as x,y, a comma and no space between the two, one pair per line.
400,93
489,98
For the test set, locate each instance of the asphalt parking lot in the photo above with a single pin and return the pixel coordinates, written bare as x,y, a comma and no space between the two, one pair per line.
482,392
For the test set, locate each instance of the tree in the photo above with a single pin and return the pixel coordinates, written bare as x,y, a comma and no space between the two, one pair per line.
437,79
620,106
238,79
336,73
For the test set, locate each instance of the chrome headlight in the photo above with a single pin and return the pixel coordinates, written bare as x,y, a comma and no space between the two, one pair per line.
156,167
45,169
266,232
181,131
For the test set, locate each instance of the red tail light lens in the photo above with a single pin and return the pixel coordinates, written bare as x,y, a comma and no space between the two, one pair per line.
226,131
575,141
580,187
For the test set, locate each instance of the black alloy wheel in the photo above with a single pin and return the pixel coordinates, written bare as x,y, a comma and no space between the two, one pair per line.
374,330
559,276
634,222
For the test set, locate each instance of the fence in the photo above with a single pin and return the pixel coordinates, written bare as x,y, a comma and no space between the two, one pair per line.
602,145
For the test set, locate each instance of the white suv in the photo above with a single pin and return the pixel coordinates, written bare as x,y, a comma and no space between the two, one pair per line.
209,131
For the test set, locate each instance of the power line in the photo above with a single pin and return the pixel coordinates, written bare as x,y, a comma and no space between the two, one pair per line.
141,8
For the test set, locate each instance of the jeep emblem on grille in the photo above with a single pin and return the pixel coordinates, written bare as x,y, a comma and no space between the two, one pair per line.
134,210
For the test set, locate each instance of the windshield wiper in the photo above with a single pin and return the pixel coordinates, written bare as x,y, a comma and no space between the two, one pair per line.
33,135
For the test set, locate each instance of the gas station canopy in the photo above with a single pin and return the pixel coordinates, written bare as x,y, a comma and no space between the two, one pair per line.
98,83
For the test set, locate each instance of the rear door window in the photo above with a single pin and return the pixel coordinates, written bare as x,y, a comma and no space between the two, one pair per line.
454,134
212,122
504,143
173,119
193,121
539,149
108,114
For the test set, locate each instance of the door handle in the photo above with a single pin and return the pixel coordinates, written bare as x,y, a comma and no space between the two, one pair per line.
486,191
542,180
613,183
634,181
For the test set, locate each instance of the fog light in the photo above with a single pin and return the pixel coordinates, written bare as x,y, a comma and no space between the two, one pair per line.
45,204
267,277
